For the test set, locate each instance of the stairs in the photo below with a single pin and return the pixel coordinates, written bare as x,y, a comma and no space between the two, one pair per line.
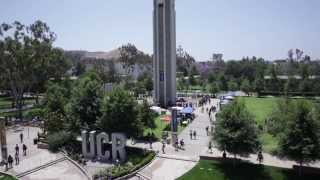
40,167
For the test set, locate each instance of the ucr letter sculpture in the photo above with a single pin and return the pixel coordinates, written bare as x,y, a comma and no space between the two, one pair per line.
95,144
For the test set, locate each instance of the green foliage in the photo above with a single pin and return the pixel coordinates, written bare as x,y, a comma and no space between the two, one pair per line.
232,86
146,115
59,139
28,59
86,99
136,160
301,141
214,88
245,86
36,112
119,114
54,121
79,69
258,85
236,131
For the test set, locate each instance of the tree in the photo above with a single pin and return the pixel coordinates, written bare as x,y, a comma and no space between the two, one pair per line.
232,86
146,115
79,69
300,141
236,131
128,55
56,98
258,85
119,114
245,86
28,59
85,101
214,88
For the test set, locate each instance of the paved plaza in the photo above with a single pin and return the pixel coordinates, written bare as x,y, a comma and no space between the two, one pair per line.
38,158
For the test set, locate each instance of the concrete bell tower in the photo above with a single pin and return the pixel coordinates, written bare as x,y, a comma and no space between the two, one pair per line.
164,59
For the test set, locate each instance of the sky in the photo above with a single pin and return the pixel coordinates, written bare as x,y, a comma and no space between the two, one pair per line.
236,28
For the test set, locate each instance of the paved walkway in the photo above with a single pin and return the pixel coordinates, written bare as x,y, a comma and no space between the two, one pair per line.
174,164
37,157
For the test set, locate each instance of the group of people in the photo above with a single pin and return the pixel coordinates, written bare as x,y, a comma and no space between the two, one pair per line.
17,153
193,134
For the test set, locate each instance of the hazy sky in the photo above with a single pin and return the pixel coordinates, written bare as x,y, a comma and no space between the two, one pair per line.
236,28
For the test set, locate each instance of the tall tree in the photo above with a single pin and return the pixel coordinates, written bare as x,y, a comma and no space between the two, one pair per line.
119,114
301,141
245,86
28,59
146,115
86,99
236,131
128,56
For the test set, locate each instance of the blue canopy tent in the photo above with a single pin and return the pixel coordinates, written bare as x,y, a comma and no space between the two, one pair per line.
187,110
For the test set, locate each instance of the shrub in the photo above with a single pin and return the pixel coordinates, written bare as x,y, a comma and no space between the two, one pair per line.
59,140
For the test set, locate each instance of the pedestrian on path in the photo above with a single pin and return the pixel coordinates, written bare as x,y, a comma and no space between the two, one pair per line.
210,147
190,134
10,161
21,138
224,155
207,130
16,157
163,147
195,134
260,157
17,149
24,148
176,145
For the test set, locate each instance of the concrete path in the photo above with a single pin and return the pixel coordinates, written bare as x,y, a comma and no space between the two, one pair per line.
174,164
37,157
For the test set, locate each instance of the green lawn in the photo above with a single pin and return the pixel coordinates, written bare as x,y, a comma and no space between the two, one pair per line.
6,102
261,108
5,177
214,170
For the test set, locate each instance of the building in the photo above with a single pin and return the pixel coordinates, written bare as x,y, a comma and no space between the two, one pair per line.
164,60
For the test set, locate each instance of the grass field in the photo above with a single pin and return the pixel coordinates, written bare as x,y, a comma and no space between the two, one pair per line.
214,170
6,102
5,177
261,108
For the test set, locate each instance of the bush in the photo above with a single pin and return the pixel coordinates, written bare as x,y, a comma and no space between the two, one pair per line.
137,158
33,113
59,140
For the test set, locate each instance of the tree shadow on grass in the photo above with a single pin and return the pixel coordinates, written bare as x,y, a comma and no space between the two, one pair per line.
242,170
248,171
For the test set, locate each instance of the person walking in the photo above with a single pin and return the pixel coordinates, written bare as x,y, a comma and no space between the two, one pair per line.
150,143
16,158
207,130
21,138
24,149
190,134
195,134
182,144
176,145
210,147
10,161
163,147
17,149
260,157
